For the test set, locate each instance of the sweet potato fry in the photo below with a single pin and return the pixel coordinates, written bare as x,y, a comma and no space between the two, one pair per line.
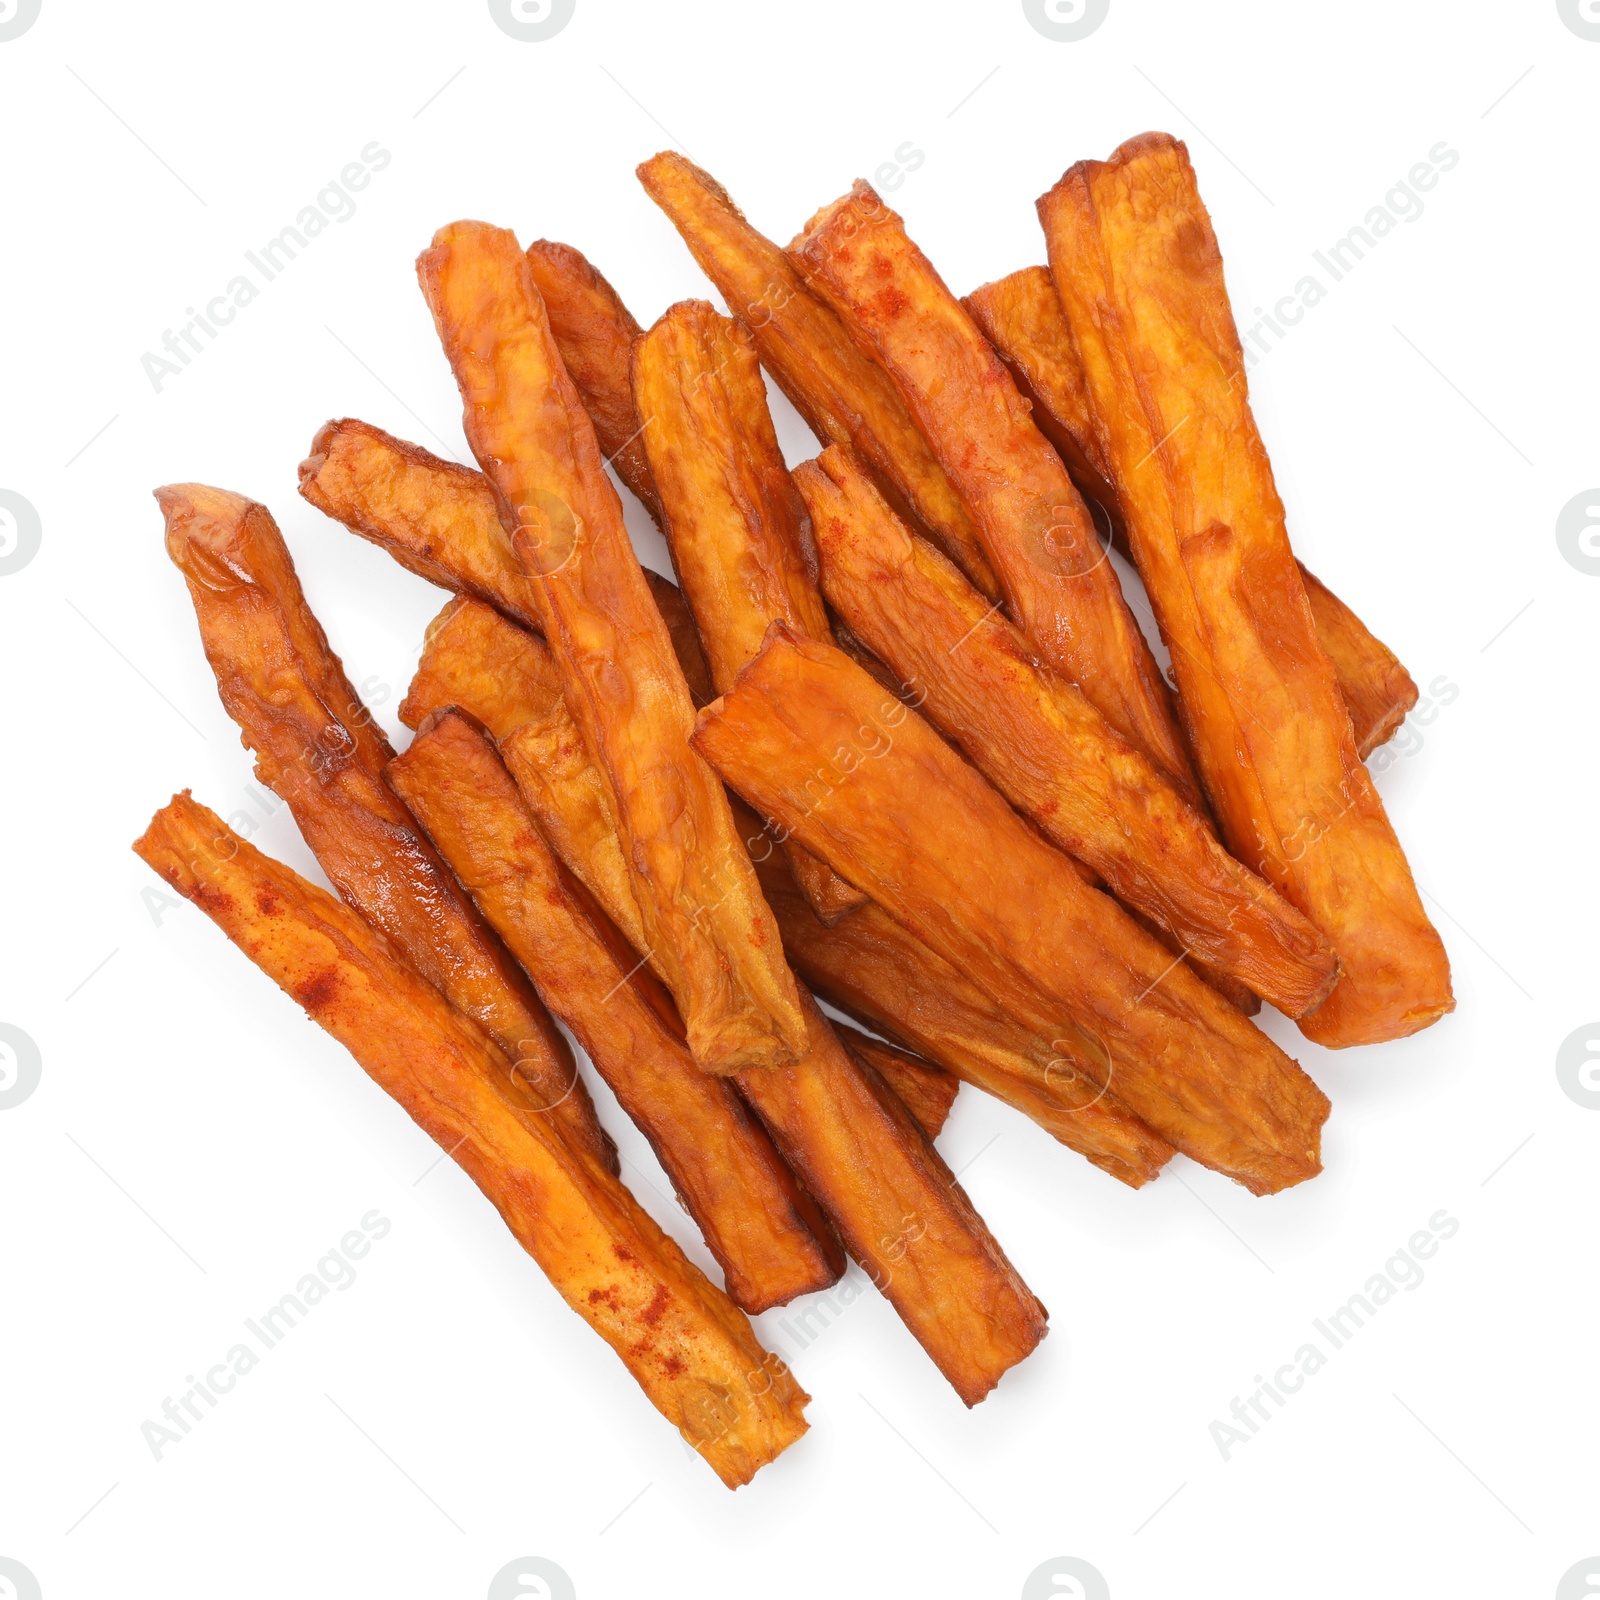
1377,690
1059,587
735,524
842,395
816,746
1041,743
1136,263
1021,316
925,1090
506,679
865,1160
872,968
594,332
899,1210
685,635
434,517
472,657
768,1236
439,520
687,1345
318,747
696,890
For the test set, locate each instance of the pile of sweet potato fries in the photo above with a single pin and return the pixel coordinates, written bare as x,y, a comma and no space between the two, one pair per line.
896,741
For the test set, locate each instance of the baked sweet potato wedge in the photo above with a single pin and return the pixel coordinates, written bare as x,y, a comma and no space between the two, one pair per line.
1059,587
816,746
842,395
594,332
736,526
1136,263
506,679
768,1237
899,1210
697,893
435,517
1377,690
1041,743
926,1091
687,1345
873,969
1021,317
318,747
439,520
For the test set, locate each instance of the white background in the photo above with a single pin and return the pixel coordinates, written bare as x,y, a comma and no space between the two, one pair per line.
195,1145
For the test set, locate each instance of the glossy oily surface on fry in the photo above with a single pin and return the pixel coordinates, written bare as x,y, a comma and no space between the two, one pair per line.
814,744
318,747
1140,276
1047,749
765,1233
702,910
690,1349
1059,587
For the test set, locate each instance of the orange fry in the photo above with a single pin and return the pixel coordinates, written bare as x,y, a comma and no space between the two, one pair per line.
737,528
1059,587
507,679
702,910
439,520
1136,263
768,1236
1042,744
926,1091
899,1210
594,332
840,392
687,1345
872,968
1377,690
815,745
318,747
1021,317
434,517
